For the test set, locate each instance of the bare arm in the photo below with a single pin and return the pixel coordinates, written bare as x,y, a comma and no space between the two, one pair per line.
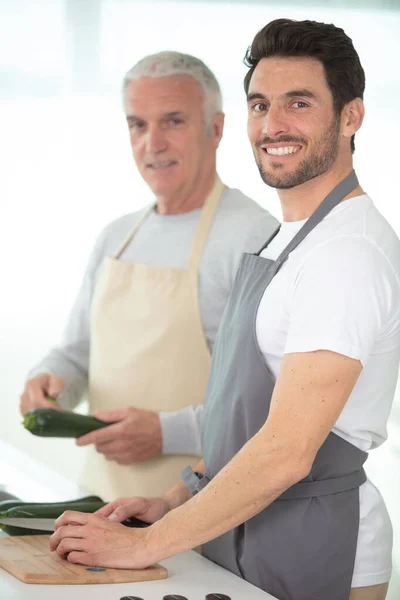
310,393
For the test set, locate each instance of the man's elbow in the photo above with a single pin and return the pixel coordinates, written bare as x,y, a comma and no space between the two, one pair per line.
291,464
297,462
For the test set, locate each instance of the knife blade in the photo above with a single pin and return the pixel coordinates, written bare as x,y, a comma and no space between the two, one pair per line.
48,524
30,523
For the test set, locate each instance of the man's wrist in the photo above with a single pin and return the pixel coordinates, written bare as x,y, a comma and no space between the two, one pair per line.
177,495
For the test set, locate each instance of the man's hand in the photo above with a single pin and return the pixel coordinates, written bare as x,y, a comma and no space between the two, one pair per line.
38,390
134,436
146,509
94,540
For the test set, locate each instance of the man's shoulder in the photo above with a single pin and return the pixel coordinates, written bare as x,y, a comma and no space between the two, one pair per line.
240,208
114,233
233,200
243,223
359,232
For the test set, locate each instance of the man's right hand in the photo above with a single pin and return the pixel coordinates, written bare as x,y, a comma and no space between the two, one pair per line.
146,509
38,390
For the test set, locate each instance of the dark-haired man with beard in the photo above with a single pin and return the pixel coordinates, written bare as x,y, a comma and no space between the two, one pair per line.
305,362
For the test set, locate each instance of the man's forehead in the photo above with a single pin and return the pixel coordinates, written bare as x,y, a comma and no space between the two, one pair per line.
163,94
278,74
174,86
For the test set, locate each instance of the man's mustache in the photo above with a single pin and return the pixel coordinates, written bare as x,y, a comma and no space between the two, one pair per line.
287,139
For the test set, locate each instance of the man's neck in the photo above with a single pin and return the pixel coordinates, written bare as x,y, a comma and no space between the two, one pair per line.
300,202
188,200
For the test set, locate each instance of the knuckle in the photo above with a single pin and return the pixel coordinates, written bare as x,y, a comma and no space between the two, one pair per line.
62,548
63,531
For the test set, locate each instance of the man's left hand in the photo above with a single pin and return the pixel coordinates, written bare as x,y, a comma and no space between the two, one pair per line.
133,436
93,540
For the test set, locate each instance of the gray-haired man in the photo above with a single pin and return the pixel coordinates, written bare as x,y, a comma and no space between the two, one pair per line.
146,316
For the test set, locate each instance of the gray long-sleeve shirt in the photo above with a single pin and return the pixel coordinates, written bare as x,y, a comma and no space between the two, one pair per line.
240,225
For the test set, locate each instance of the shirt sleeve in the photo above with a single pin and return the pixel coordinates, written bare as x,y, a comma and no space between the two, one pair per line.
181,431
342,298
70,359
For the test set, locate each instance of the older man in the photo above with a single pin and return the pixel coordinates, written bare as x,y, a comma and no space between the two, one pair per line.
146,317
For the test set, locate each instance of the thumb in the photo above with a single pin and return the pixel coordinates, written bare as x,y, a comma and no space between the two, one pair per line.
112,416
55,387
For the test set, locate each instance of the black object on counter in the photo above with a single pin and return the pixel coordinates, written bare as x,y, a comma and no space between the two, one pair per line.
131,598
217,597
174,597
134,522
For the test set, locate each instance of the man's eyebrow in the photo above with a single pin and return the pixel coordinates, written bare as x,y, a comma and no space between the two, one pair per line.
255,96
291,94
167,115
302,93
173,113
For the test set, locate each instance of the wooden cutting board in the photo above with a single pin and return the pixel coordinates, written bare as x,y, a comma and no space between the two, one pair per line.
29,559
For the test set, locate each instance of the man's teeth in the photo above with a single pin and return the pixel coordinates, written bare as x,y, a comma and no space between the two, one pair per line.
283,150
162,165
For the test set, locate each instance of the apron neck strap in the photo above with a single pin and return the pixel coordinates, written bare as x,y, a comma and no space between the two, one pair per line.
133,231
347,185
206,218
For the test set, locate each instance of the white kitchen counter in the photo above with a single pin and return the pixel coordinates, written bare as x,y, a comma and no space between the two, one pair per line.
190,574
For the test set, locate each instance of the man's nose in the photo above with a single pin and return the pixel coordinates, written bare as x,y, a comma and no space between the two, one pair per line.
275,122
155,140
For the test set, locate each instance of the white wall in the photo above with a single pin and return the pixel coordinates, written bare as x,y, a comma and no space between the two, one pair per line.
66,168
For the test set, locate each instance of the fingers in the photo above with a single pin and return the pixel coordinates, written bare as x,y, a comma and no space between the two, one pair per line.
112,447
83,558
69,545
72,517
124,511
133,507
64,536
123,508
56,386
121,458
100,436
106,510
112,416
38,390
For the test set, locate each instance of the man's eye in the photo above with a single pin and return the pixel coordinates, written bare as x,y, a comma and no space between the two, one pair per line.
259,107
299,104
136,125
175,121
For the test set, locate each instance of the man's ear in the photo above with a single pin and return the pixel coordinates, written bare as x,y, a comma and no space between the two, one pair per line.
352,117
217,128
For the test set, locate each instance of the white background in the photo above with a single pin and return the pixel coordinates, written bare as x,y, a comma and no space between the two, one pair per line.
66,168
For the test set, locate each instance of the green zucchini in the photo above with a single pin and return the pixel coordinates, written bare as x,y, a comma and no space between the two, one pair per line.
12,530
47,422
46,511
7,504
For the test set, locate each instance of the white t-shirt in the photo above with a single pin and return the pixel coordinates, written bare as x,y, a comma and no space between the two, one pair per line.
339,290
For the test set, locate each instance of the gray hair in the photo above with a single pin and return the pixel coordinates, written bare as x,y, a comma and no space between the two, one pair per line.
167,64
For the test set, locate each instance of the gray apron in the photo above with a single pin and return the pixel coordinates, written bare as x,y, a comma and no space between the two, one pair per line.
303,545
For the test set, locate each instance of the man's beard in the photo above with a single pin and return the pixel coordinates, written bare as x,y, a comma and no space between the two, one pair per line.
324,156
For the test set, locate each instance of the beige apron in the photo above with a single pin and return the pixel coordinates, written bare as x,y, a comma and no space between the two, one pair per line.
148,350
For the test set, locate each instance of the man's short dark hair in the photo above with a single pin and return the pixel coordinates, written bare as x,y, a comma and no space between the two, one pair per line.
326,43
